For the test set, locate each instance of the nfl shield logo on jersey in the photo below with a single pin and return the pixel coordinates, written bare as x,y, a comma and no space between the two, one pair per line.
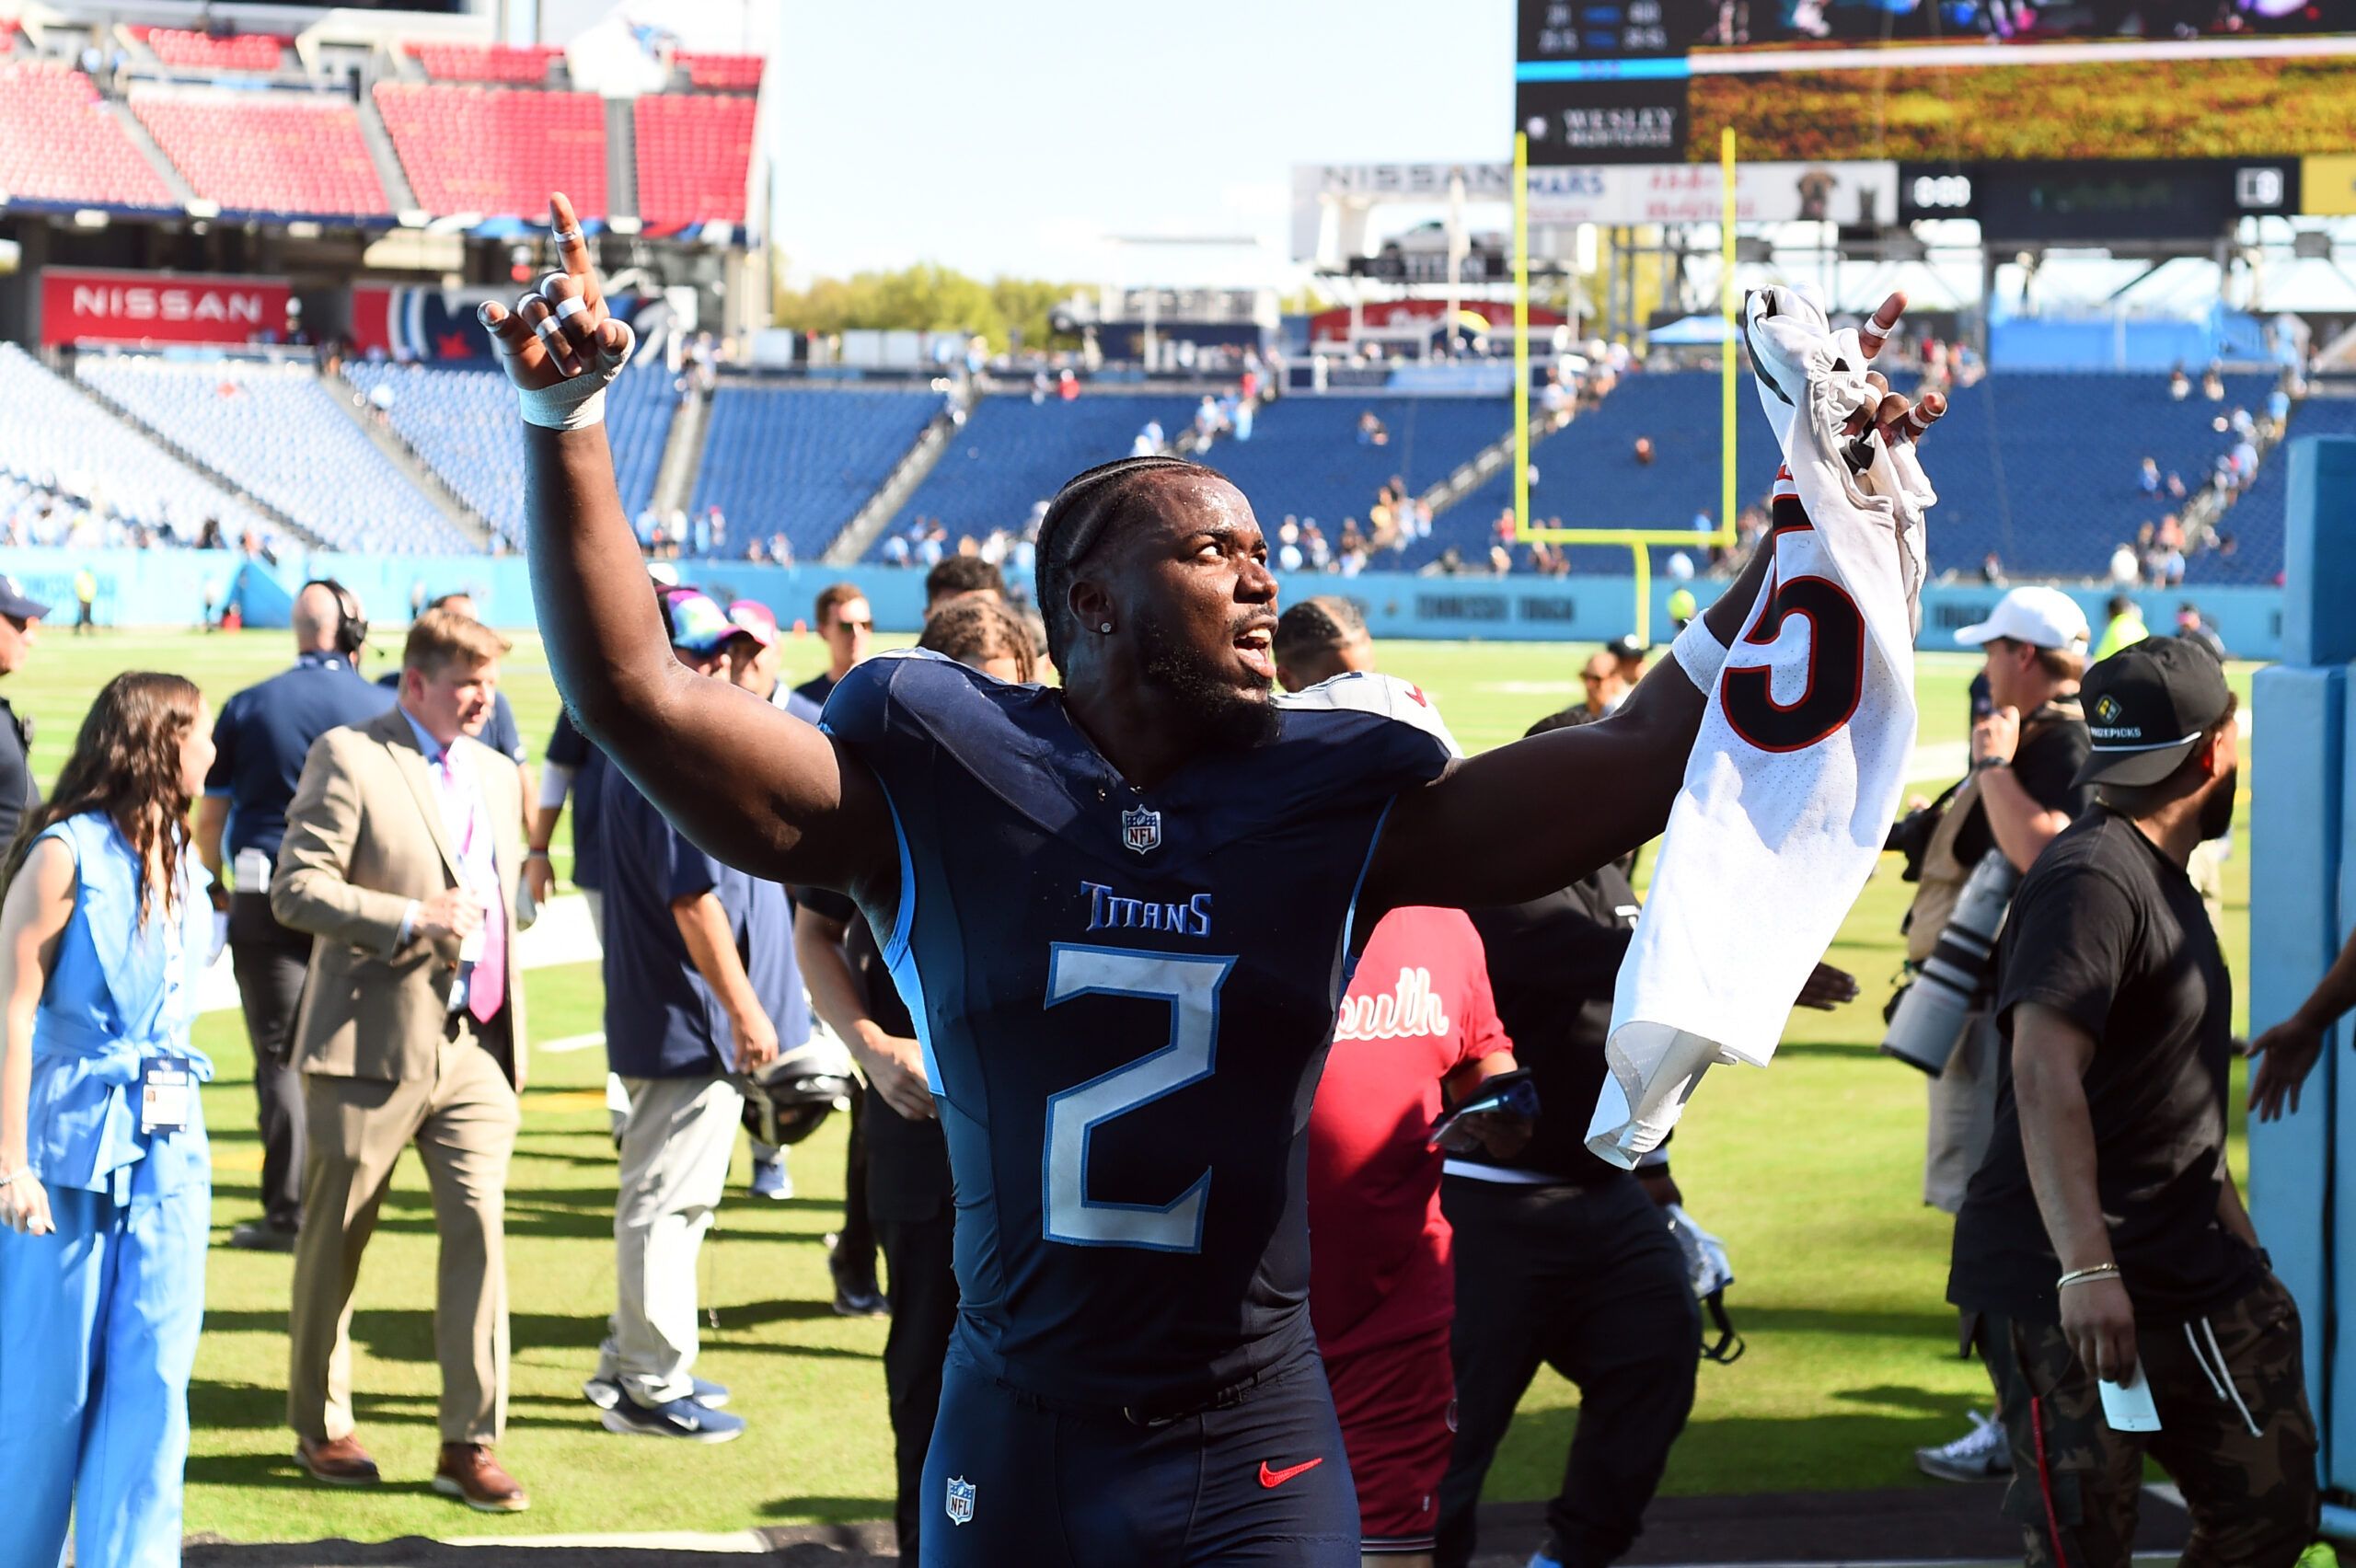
960,1500
1141,829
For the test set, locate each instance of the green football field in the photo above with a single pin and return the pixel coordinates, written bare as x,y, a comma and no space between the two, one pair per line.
1809,1171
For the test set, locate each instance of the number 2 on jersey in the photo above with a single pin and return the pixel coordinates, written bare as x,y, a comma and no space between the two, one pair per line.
1189,987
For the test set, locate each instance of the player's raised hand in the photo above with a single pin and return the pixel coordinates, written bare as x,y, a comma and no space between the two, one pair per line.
559,330
1882,325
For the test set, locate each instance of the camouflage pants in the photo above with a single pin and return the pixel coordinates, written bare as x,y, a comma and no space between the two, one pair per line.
2252,1498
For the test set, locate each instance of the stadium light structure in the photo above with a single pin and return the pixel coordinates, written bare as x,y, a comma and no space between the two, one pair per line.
1638,541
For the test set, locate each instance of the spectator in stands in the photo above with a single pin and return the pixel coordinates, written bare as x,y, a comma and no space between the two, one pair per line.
1644,451
1605,690
2175,485
1372,432
502,734
1067,385
2126,567
1991,571
2150,477
2213,384
19,616
1312,542
260,741
2179,384
1289,556
1150,440
1242,411
955,578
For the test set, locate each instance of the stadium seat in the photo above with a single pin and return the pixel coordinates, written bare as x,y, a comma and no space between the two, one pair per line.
2043,471
296,153
1304,458
693,153
526,66
58,143
202,52
53,436
496,150
802,462
461,424
726,73
273,428
1013,453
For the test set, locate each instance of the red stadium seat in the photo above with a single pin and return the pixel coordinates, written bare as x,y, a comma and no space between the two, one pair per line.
238,51
726,73
521,65
270,152
495,151
58,143
692,157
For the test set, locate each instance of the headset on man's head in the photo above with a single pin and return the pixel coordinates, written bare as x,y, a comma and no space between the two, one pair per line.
351,626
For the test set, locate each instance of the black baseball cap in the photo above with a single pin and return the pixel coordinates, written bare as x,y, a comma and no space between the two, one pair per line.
16,604
1628,646
2147,706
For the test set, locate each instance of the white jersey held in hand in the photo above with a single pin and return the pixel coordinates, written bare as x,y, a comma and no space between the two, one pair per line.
1802,755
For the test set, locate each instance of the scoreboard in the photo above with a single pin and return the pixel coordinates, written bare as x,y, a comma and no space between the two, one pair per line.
2084,118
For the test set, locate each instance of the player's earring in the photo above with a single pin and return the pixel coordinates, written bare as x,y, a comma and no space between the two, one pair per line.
1106,625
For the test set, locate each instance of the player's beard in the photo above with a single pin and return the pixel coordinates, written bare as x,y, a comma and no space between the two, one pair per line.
1231,717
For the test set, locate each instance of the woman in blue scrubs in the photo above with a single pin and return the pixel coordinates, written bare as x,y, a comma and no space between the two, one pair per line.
105,1178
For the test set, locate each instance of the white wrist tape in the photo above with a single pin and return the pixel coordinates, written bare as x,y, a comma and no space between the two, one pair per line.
578,402
1702,654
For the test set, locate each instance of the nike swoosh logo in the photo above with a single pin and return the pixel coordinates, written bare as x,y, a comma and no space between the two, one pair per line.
1278,1477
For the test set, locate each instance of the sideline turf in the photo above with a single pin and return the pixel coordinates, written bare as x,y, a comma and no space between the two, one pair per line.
1810,1171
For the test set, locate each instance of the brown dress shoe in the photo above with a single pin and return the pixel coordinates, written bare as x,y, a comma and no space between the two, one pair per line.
338,1461
469,1473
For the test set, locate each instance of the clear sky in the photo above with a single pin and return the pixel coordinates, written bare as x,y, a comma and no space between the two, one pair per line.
1013,137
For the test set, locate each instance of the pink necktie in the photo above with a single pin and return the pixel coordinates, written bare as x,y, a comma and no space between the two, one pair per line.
486,982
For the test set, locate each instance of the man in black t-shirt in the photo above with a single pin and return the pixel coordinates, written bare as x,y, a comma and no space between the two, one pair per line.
2029,740
2102,1236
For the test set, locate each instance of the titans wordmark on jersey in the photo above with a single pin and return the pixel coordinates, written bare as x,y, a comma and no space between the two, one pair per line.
1124,1000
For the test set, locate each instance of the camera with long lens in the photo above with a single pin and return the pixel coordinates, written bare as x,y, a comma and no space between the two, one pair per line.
1928,1020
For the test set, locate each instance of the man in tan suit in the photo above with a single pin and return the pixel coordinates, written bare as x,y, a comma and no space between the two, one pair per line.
404,846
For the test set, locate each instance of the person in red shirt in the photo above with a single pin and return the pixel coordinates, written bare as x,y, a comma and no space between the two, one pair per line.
1418,1031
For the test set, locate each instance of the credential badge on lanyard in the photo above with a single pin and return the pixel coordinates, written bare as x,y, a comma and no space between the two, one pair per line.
163,1094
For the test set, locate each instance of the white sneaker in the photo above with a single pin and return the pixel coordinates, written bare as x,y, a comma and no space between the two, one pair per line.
1981,1454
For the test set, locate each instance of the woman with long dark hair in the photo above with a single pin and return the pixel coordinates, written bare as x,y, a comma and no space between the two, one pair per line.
105,1177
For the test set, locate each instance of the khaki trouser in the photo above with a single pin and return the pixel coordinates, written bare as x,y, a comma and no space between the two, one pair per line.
675,1151
1963,1114
463,1122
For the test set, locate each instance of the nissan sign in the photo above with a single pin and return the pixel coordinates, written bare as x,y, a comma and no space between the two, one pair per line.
85,305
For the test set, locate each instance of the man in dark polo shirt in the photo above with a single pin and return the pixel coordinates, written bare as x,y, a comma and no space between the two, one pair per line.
259,742
18,618
700,984
2102,1238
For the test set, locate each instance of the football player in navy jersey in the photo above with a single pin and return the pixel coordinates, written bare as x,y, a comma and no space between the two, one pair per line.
1120,913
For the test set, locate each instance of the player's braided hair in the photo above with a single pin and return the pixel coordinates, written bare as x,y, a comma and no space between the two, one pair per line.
1076,521
1315,625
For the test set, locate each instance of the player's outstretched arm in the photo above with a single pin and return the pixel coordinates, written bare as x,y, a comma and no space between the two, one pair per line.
1527,819
746,782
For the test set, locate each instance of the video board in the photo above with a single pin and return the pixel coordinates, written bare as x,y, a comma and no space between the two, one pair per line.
1958,82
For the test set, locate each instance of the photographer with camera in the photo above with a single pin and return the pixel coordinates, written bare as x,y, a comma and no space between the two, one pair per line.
1970,850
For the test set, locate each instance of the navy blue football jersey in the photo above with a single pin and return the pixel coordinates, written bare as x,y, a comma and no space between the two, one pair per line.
1124,998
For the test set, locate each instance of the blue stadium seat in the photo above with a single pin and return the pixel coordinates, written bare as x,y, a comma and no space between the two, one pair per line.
800,462
462,424
273,427
1305,459
2037,467
53,437
1013,453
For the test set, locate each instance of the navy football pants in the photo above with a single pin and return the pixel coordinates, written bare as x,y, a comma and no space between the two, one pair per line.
1262,1483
